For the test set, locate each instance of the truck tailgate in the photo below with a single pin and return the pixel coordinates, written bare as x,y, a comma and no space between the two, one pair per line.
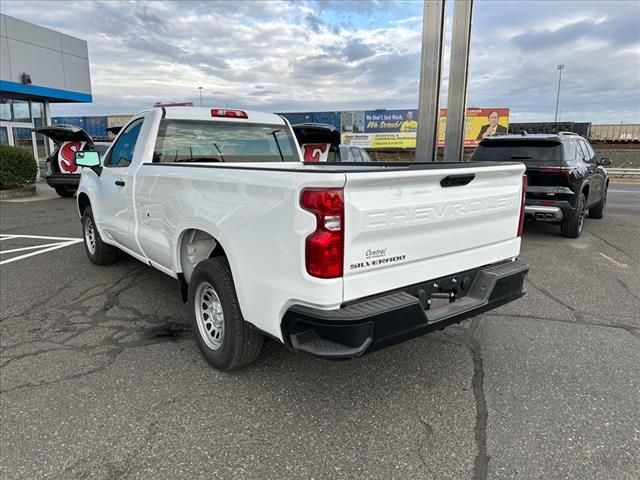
405,227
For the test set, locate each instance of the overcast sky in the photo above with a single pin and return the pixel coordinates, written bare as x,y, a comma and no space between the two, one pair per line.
340,55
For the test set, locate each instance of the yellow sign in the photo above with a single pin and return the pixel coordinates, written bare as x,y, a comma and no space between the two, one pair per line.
479,123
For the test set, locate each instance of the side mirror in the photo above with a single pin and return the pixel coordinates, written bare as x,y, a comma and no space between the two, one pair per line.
604,161
87,159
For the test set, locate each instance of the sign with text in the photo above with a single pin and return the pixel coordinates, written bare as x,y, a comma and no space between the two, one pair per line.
398,128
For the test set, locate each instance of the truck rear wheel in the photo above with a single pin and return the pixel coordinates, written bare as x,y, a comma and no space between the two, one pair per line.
225,340
65,191
98,252
572,226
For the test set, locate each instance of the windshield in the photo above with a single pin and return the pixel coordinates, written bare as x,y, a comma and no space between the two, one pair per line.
518,152
208,141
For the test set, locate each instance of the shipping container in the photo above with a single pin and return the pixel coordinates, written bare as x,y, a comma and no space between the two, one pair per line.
616,133
117,120
298,117
95,126
74,121
330,118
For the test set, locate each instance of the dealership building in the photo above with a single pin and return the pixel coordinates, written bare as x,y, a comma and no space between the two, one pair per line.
38,66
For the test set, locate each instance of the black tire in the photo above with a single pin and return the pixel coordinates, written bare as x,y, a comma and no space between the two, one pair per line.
598,210
572,226
65,191
101,253
240,344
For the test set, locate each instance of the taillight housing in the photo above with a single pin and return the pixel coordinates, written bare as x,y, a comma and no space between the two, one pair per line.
522,200
324,248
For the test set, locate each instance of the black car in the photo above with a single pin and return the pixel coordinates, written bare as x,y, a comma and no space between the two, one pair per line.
565,179
63,173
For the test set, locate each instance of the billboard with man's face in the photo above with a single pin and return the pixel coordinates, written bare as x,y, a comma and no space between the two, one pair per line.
398,128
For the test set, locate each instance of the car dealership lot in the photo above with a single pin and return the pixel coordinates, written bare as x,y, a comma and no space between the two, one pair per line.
100,377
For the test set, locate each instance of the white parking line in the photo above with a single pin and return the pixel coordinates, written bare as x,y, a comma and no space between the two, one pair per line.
22,249
7,236
44,248
615,262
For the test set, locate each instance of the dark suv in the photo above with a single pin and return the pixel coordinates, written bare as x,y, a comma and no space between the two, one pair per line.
564,177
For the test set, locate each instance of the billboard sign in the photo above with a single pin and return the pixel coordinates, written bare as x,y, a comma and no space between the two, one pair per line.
398,128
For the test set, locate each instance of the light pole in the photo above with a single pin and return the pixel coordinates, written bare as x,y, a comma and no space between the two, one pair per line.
560,68
200,88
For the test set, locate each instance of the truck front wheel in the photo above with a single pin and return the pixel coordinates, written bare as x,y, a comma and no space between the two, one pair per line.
225,340
98,252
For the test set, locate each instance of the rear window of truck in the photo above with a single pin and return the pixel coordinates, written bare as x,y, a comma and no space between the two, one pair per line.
207,141
518,151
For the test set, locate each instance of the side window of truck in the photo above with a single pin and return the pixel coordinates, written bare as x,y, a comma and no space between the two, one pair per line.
121,153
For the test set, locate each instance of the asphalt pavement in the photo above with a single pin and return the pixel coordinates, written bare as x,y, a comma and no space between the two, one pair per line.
99,376
624,198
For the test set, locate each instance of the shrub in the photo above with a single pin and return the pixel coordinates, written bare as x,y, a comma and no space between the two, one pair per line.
17,167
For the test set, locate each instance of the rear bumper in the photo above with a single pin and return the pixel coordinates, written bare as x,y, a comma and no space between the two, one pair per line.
63,179
544,213
372,324
550,210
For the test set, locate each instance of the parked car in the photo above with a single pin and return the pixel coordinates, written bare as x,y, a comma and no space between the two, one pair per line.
63,173
329,259
321,143
565,179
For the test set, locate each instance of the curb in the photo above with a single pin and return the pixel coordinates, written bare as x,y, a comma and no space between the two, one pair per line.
28,191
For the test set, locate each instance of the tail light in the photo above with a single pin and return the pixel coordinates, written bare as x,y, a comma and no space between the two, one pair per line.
324,248
561,175
524,193
223,112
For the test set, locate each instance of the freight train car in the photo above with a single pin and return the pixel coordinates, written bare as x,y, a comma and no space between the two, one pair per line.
615,133
580,128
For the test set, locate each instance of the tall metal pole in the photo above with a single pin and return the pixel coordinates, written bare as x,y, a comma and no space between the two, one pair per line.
200,88
458,74
430,64
559,67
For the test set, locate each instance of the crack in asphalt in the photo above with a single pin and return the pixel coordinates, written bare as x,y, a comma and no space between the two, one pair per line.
428,430
624,285
469,340
615,247
633,330
577,314
58,318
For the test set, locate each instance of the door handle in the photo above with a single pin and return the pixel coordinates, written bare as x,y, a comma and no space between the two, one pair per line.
120,183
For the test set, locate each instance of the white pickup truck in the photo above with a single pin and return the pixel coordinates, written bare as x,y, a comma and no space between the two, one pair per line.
332,259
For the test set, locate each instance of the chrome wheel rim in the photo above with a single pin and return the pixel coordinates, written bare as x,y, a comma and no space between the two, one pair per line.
90,236
209,316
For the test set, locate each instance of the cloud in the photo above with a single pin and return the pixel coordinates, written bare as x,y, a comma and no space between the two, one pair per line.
333,55
356,50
